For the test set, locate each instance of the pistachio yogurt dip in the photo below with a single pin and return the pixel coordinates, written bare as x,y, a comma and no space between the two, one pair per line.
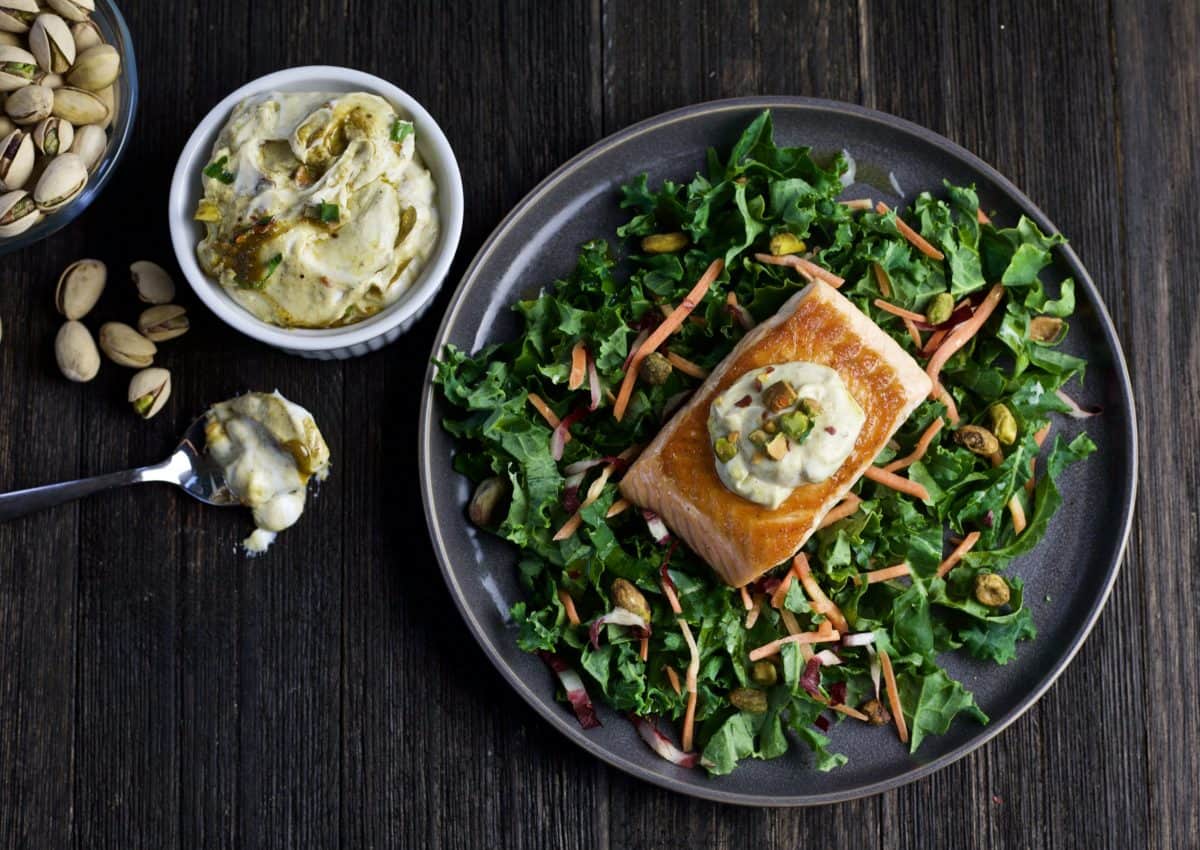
317,208
269,448
782,426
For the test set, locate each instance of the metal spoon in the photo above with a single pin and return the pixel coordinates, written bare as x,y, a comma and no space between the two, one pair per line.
190,467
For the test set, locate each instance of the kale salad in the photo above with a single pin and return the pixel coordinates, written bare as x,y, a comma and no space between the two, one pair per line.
911,565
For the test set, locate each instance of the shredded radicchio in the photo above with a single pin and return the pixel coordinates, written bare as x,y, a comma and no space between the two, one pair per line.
822,723
661,744
811,678
593,382
577,695
633,349
658,528
741,315
666,576
618,617
559,438
837,693
1077,412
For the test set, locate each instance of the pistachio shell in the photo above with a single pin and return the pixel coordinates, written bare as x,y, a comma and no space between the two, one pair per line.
17,68
17,15
89,145
10,39
149,390
73,10
79,106
86,34
163,322
30,104
96,68
63,179
6,126
18,213
153,284
76,353
53,136
108,96
50,40
51,81
16,160
80,287
125,346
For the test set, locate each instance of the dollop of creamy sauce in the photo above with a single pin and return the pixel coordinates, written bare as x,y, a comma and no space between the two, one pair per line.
269,448
317,208
764,449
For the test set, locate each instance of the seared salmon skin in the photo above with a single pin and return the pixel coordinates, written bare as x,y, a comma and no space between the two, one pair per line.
676,475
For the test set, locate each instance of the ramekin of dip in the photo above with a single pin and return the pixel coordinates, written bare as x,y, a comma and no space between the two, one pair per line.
317,209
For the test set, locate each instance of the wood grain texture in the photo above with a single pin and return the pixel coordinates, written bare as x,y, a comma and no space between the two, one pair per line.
159,690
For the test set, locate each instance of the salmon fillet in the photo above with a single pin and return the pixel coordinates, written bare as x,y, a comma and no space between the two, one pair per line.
676,475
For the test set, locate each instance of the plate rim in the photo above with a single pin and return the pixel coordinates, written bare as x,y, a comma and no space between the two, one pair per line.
564,723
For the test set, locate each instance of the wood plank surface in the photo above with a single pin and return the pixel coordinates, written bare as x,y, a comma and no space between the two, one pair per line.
157,689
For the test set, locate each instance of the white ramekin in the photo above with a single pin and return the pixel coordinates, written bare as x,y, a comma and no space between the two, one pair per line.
333,343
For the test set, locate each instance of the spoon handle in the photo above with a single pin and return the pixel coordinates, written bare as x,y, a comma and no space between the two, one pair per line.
22,502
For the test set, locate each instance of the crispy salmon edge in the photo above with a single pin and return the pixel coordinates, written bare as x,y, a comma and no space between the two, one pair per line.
644,486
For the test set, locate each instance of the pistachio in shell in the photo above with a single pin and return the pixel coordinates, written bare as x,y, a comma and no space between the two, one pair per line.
51,42
79,106
17,15
153,284
108,96
6,126
76,353
125,346
30,104
491,495
163,322
149,390
73,10
61,182
50,81
53,136
96,68
18,213
79,288
18,67
10,39
17,157
86,35
89,145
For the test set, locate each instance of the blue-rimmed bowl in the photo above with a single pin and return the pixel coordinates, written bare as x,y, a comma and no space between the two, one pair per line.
116,32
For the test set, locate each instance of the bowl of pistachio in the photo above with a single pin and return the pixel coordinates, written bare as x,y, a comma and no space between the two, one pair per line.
68,83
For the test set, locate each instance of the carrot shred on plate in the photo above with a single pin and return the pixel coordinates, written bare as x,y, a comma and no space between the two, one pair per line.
982,217
842,708
781,592
578,366
752,617
919,450
889,307
893,693
857,204
546,413
887,573
616,508
954,557
881,278
821,603
693,670
1039,437
747,602
673,678
1017,511
569,606
686,366
664,330
644,649
931,344
576,519
918,241
789,622
896,482
772,648
963,332
807,268
846,507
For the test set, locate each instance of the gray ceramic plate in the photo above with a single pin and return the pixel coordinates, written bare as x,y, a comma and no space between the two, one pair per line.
1075,566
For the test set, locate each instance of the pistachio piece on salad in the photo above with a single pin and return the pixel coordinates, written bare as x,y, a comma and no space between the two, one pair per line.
991,590
877,715
978,440
1004,424
778,397
664,243
749,700
786,243
940,308
764,673
490,496
149,390
777,449
1046,329
795,424
626,596
725,448
655,369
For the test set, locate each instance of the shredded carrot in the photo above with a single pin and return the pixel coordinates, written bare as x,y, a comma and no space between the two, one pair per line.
693,670
846,507
569,606
850,712
686,366
931,344
963,332
576,519
821,603
806,267
893,692
954,557
772,648
673,678
752,617
889,307
887,573
1039,437
914,333
578,366
826,627
672,599
689,722
1017,510
781,592
789,622
644,649
747,602
617,507
943,395
896,482
857,204
693,299
544,409
919,450
982,217
918,241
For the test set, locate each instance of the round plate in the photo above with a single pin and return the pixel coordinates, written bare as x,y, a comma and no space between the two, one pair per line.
1074,566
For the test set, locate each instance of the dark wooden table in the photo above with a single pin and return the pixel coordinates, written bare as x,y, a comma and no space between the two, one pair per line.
157,690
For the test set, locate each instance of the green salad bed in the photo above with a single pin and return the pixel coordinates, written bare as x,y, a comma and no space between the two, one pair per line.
1006,383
